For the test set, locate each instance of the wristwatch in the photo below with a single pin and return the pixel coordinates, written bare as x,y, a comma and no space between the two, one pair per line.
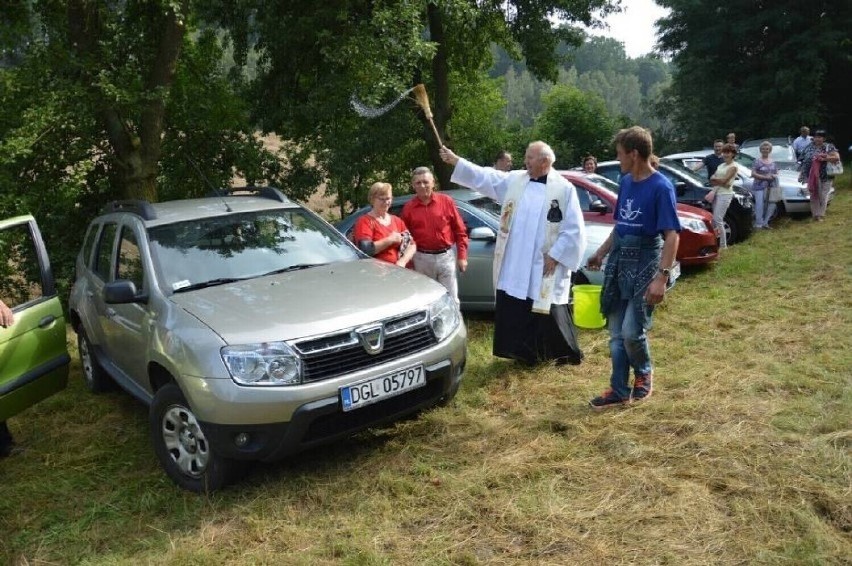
667,271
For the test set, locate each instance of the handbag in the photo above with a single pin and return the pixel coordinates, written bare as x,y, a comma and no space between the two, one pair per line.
711,196
833,169
774,194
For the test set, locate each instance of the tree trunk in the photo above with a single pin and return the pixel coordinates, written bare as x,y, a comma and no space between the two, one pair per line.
441,102
136,146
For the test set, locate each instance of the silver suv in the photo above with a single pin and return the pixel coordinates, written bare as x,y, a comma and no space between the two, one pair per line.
253,329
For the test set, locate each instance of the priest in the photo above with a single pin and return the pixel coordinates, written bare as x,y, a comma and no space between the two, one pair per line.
541,240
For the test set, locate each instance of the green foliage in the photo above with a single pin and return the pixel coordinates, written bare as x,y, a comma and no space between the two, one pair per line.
757,69
630,88
575,124
77,119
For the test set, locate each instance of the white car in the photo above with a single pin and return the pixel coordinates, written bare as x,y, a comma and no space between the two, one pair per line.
794,195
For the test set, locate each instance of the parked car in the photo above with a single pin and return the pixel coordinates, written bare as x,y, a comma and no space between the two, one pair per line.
691,189
252,330
795,197
598,196
782,152
34,359
481,216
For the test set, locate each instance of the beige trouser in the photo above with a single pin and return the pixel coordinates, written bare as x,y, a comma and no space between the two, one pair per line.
441,268
819,202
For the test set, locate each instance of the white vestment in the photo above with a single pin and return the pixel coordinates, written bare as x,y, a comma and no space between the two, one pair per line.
520,275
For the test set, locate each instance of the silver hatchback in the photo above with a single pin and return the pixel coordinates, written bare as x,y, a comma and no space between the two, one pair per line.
253,330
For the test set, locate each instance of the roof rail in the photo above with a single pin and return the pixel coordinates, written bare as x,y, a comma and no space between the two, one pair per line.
263,192
140,208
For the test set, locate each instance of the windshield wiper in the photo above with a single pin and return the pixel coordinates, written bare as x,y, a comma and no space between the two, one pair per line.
296,267
210,283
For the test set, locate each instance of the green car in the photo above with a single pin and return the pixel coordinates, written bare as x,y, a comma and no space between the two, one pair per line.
33,354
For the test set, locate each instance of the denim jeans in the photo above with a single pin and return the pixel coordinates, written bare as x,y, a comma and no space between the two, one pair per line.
628,346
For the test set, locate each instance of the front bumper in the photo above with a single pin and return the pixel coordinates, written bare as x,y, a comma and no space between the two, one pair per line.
322,421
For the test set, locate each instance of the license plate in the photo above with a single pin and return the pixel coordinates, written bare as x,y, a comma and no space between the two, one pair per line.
374,390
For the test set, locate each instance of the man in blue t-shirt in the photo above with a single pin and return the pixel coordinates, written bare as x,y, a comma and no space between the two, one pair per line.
642,249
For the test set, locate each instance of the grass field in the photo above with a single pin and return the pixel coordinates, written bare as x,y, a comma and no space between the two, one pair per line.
742,456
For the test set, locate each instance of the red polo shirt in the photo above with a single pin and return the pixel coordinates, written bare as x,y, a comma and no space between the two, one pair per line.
436,225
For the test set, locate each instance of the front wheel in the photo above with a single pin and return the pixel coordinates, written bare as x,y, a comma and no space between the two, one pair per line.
732,232
181,446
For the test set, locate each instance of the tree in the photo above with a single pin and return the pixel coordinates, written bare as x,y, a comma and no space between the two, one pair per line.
105,100
330,50
756,67
575,124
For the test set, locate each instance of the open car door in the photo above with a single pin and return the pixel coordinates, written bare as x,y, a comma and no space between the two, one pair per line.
33,350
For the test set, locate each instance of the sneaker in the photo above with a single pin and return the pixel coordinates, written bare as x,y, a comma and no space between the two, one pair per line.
642,387
606,400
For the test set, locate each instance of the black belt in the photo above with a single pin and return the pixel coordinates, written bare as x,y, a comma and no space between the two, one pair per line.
435,252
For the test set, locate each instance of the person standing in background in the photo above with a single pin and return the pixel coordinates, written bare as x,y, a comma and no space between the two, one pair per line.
732,139
801,142
814,158
436,226
765,174
723,190
712,161
503,161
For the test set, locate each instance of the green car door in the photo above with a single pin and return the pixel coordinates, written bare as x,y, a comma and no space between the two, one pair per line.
33,350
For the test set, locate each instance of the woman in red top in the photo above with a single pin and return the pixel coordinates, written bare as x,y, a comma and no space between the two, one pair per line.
381,234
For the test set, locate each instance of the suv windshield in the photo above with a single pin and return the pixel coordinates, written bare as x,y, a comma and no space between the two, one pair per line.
222,249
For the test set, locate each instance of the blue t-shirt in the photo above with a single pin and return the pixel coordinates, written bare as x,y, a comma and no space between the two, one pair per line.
646,208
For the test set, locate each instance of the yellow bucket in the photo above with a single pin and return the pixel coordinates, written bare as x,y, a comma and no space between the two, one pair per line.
587,306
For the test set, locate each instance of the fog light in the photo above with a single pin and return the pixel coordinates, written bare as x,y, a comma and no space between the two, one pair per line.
242,439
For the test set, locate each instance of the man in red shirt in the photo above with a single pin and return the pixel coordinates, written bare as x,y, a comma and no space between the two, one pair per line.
436,225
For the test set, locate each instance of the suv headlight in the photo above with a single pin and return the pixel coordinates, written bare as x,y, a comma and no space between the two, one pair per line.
444,316
693,225
270,363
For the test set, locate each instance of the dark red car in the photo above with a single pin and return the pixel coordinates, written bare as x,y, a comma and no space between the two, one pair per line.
598,195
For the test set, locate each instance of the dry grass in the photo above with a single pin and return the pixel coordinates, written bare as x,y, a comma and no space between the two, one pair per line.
742,455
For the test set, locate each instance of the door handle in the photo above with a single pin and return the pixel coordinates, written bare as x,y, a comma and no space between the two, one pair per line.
46,321
110,313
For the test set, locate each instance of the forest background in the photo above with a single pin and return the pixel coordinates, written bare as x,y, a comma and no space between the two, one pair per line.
165,99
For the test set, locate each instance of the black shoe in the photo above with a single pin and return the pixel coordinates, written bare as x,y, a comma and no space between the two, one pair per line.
608,399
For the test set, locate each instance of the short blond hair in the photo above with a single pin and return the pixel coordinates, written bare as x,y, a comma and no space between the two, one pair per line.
379,188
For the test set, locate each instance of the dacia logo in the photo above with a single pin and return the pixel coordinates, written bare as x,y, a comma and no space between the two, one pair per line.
372,338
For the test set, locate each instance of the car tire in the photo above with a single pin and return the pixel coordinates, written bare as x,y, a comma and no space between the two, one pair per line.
732,231
181,446
94,376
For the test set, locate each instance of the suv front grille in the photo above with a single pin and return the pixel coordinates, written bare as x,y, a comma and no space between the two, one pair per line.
342,353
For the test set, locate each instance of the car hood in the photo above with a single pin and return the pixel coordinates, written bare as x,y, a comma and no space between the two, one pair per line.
689,211
309,302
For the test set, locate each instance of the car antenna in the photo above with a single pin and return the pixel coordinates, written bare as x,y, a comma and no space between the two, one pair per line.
216,191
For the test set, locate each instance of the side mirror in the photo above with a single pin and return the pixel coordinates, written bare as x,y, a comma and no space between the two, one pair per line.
598,206
482,233
121,292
